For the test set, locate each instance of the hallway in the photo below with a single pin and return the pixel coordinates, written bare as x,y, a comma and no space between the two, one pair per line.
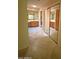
39,34
43,25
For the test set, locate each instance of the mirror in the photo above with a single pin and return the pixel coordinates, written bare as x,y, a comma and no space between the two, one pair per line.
54,22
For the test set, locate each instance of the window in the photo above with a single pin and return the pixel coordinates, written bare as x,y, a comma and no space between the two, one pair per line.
30,17
52,16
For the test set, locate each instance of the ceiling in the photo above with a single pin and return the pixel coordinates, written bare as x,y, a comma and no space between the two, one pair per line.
40,3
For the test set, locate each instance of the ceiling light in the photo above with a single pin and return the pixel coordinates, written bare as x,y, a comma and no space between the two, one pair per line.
34,6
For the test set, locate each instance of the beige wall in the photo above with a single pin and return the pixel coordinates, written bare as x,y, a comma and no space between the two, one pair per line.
39,13
43,19
23,40
47,21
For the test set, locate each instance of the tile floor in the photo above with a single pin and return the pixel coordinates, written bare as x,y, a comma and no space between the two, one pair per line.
41,46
